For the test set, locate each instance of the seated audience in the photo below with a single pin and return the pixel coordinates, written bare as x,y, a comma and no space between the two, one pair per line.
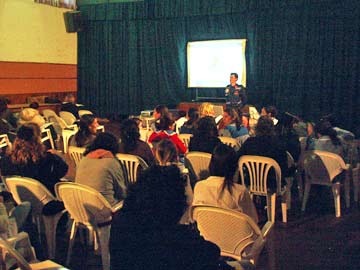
344,134
87,131
101,170
180,121
233,126
145,233
205,137
267,144
249,117
29,158
188,127
206,109
69,105
270,111
165,129
159,111
326,139
219,189
6,114
130,142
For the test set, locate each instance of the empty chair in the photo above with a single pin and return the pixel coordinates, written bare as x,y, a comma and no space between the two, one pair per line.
258,168
321,168
68,117
28,189
235,233
90,210
198,165
185,138
76,153
234,143
27,259
131,165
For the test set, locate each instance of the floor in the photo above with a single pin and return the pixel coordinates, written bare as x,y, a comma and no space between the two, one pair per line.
312,240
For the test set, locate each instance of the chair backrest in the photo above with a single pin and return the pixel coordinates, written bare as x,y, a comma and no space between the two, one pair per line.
47,113
234,143
198,164
131,165
28,189
76,153
185,138
232,231
4,141
68,117
47,137
83,112
322,166
85,204
258,168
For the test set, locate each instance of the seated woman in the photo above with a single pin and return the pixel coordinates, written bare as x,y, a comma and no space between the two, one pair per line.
100,169
189,126
87,131
205,137
29,158
145,233
165,130
219,189
233,126
159,112
326,139
267,144
130,142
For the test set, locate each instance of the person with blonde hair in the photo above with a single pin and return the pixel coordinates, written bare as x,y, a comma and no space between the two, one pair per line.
206,109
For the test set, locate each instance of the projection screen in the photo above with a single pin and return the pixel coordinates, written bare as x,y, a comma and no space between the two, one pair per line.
209,63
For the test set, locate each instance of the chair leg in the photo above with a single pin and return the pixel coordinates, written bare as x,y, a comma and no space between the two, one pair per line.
50,224
271,205
336,193
103,235
284,208
289,182
306,196
74,228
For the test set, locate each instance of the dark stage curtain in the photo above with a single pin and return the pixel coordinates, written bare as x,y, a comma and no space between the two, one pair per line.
302,55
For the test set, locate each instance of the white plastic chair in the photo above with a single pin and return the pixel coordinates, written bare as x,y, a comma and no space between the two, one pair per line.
321,168
232,142
258,168
28,189
27,260
66,130
131,165
47,113
185,138
47,137
235,233
88,209
76,154
198,165
68,117
4,141
83,112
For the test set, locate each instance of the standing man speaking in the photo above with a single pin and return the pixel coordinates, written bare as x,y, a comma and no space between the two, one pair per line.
235,93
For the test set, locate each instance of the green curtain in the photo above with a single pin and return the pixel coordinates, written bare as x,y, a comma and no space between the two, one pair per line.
302,55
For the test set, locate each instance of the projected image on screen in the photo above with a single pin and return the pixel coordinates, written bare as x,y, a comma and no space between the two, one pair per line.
210,63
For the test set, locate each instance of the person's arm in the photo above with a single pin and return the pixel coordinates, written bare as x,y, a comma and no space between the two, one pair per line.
179,144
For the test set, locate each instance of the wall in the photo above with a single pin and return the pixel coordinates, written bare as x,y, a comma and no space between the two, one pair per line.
37,56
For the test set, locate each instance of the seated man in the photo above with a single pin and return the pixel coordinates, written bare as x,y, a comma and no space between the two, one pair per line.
145,234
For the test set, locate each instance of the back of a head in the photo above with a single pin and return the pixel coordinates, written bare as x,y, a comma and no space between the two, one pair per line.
223,161
105,141
162,110
129,132
265,127
166,152
85,121
206,109
324,128
206,127
70,98
157,198
165,122
271,111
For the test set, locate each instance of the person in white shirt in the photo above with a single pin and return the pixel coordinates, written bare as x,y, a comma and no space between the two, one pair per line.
220,189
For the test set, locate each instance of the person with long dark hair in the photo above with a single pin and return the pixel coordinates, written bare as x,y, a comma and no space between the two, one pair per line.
101,170
189,126
233,126
130,142
87,131
146,233
220,189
